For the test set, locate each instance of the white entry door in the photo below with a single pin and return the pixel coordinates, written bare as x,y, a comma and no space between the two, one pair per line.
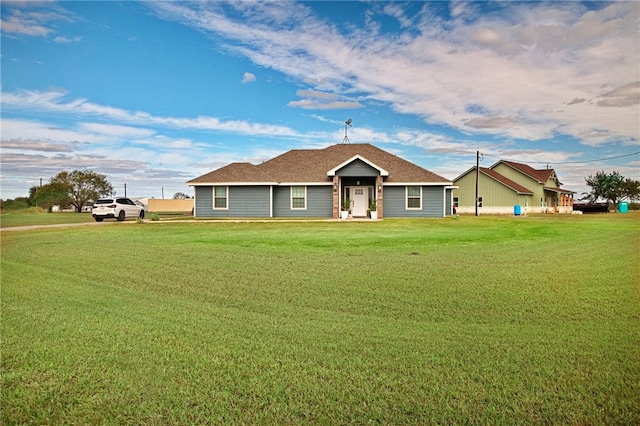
360,202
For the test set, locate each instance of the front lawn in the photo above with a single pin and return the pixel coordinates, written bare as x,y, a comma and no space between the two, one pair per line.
36,216
479,320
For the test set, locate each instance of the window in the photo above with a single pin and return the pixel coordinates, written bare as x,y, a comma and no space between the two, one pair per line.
220,197
479,201
299,197
414,197
456,201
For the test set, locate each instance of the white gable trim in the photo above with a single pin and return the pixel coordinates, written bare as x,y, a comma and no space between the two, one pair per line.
333,171
448,185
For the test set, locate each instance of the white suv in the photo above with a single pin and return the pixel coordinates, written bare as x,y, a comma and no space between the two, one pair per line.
118,208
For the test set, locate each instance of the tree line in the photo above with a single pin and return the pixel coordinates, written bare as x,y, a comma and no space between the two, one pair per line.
76,188
79,187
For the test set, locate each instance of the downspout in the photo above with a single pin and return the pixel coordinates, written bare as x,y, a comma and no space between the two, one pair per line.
380,200
444,201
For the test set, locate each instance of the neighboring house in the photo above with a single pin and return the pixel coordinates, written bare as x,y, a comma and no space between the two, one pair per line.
316,182
506,185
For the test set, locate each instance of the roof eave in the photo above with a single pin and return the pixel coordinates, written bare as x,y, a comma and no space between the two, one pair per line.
417,183
231,183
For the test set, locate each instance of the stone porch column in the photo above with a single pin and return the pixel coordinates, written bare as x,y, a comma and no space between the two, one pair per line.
379,181
336,197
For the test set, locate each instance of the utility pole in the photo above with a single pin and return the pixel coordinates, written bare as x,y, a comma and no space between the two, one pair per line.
125,189
477,178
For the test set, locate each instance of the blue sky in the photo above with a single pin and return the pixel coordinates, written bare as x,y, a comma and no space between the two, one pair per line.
154,94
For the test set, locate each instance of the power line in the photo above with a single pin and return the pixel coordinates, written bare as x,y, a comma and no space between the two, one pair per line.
567,162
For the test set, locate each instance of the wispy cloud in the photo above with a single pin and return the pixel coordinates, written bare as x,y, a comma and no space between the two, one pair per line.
248,78
321,105
623,96
41,145
139,156
18,25
528,64
322,101
55,101
67,40
31,19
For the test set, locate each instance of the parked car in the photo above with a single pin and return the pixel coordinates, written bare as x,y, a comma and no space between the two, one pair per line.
118,208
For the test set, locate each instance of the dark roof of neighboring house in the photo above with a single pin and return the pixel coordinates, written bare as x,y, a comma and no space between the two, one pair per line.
312,165
505,181
541,175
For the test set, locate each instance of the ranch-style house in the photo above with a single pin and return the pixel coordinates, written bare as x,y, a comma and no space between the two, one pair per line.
319,183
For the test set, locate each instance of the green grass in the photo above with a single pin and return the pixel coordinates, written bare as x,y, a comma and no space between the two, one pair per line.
483,320
35,216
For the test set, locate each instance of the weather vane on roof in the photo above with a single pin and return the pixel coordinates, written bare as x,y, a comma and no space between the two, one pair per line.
346,138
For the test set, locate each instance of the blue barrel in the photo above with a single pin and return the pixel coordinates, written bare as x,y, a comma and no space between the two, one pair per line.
623,207
516,209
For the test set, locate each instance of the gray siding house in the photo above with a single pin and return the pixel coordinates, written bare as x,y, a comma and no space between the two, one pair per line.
317,182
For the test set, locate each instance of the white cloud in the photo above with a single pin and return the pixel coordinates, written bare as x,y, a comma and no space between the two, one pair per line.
115,130
322,105
527,64
35,145
67,40
26,130
144,159
623,96
248,78
316,94
396,11
21,19
54,101
322,101
15,25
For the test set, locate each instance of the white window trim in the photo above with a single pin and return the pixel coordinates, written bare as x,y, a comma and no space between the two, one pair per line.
291,197
406,198
213,190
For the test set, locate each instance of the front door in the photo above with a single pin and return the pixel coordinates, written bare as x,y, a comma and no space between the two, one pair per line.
360,202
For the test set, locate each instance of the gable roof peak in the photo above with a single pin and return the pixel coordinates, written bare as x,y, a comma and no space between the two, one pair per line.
334,170
541,175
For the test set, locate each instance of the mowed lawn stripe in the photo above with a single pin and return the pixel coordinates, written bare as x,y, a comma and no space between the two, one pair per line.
478,320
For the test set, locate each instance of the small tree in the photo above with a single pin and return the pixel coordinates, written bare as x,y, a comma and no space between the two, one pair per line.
632,189
82,186
49,195
180,196
612,187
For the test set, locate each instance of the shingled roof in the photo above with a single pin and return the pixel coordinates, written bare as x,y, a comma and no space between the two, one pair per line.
541,175
312,166
234,172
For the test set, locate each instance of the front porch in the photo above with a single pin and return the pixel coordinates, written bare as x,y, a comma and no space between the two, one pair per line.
358,191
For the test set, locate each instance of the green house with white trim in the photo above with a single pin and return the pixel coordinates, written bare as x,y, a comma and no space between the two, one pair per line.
507,184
